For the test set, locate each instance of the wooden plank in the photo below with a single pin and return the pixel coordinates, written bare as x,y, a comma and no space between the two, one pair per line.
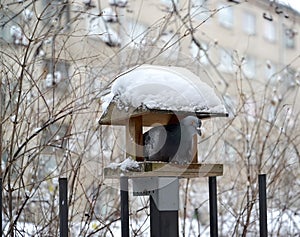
115,116
198,170
154,118
194,149
160,169
134,139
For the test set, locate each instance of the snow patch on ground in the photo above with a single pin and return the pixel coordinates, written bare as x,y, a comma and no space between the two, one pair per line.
280,223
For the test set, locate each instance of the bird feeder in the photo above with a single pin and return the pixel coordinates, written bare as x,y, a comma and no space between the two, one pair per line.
143,97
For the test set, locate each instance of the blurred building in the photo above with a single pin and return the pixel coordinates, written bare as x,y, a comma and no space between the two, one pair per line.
259,37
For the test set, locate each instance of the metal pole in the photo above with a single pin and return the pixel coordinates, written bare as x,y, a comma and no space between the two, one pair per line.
63,207
213,209
124,207
1,188
263,228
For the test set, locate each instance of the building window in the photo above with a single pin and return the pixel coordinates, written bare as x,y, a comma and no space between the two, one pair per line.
56,12
225,16
11,30
269,31
270,70
249,67
56,75
289,38
249,23
200,53
226,61
231,154
170,4
199,10
288,77
54,141
100,29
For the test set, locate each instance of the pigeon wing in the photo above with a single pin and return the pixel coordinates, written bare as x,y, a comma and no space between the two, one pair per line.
154,140
161,143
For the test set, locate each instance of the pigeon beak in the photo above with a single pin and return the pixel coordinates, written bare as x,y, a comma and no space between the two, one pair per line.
198,129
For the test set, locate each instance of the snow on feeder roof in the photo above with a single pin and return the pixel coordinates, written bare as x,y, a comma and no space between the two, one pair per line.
150,89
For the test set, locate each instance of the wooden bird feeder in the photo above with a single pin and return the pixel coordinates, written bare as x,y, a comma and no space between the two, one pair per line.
135,120
154,173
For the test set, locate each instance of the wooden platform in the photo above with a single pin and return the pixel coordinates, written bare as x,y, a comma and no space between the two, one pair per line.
161,169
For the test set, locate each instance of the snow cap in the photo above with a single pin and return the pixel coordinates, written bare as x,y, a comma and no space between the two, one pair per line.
162,88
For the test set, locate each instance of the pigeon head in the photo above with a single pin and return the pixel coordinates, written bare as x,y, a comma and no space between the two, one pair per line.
193,124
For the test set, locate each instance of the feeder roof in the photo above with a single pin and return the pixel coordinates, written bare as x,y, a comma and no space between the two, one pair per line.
157,93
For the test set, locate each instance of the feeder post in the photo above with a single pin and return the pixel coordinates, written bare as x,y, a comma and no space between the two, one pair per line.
164,206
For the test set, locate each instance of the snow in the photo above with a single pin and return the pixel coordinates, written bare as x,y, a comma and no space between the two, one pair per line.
98,28
13,118
286,222
134,34
164,88
18,36
118,3
27,15
36,130
127,165
41,53
50,81
109,15
16,32
280,223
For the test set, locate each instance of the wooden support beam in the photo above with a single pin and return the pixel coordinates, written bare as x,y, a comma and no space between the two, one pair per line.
134,138
195,150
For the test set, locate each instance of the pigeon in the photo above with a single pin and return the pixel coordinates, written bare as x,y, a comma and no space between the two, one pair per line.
173,142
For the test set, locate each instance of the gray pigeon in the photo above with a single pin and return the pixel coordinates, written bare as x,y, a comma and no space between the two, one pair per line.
172,143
